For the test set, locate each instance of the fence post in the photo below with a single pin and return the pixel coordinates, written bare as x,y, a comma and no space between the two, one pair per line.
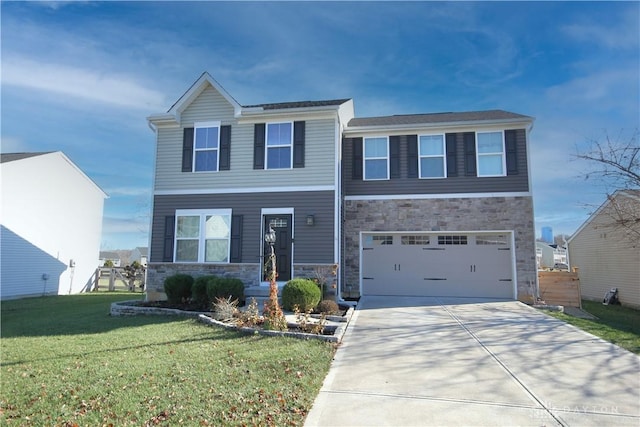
112,280
96,280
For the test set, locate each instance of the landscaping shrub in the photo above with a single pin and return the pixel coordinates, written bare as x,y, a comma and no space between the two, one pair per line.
328,306
199,291
303,293
178,288
225,287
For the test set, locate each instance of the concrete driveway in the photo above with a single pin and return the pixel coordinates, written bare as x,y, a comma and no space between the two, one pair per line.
444,361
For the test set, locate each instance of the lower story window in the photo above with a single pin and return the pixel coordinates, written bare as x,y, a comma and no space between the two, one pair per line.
203,235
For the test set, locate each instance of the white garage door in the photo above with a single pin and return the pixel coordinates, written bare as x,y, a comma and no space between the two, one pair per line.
460,265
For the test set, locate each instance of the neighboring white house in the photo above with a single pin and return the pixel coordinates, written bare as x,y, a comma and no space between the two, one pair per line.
549,255
51,217
606,251
139,254
105,256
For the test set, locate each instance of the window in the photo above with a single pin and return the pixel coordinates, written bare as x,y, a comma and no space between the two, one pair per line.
206,144
419,240
491,160
279,145
203,235
376,158
431,150
452,240
491,239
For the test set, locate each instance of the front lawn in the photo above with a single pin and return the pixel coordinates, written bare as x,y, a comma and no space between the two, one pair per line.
614,323
66,362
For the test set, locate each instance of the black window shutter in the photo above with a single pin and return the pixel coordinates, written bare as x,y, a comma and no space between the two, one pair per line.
169,226
298,144
412,156
511,146
225,148
187,150
452,165
356,171
394,157
236,238
470,153
258,145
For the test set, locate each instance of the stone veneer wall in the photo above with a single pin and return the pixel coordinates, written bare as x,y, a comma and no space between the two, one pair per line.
248,273
157,272
459,214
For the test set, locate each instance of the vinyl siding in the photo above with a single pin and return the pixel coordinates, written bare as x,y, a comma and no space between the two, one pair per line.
606,259
319,161
313,244
457,184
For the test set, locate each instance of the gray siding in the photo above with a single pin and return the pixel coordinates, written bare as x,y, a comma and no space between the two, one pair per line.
457,184
313,244
211,106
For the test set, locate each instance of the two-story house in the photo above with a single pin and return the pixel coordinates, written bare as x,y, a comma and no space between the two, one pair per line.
429,204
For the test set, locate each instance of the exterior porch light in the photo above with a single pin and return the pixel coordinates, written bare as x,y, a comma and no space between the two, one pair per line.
274,318
270,237
310,220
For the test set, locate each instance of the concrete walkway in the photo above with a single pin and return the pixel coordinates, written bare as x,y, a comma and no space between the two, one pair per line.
462,362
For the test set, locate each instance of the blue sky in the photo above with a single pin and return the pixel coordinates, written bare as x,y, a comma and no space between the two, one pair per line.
82,78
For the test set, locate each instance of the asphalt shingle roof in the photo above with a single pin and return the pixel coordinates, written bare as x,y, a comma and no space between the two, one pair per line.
10,157
299,104
409,119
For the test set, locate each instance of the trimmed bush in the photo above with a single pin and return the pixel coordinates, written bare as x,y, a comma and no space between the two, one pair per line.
303,293
328,306
225,287
199,291
178,288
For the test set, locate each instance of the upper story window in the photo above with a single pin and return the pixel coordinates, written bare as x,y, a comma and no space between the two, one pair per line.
491,153
376,158
279,145
203,235
432,154
206,147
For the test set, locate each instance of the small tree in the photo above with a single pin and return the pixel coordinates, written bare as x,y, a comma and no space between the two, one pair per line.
615,163
108,264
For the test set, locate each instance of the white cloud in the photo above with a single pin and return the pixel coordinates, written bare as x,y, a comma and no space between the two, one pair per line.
623,35
86,84
129,191
13,145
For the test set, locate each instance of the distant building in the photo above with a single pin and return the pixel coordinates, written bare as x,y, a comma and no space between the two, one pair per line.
139,254
547,256
547,234
114,257
51,225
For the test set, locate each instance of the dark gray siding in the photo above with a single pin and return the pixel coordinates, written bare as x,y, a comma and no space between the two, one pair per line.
459,184
313,244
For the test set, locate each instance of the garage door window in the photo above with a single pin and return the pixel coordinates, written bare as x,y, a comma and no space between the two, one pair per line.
415,240
378,240
491,239
452,240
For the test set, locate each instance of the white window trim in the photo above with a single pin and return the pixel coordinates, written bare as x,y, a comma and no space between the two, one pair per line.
196,125
503,154
442,156
267,146
364,158
202,213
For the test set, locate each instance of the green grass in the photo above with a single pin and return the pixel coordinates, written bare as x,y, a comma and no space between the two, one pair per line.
616,324
65,361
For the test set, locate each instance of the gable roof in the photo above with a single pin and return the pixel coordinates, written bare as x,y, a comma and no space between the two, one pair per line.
439,118
10,157
631,193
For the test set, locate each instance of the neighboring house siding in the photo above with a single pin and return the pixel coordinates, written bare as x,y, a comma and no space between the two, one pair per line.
54,209
461,183
313,244
319,168
606,259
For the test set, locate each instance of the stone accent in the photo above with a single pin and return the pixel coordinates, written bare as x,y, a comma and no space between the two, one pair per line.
157,272
458,214
321,272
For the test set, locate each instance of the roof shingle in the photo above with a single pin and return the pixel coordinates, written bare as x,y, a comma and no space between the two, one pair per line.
409,119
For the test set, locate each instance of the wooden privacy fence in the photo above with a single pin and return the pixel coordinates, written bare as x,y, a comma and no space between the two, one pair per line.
560,288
